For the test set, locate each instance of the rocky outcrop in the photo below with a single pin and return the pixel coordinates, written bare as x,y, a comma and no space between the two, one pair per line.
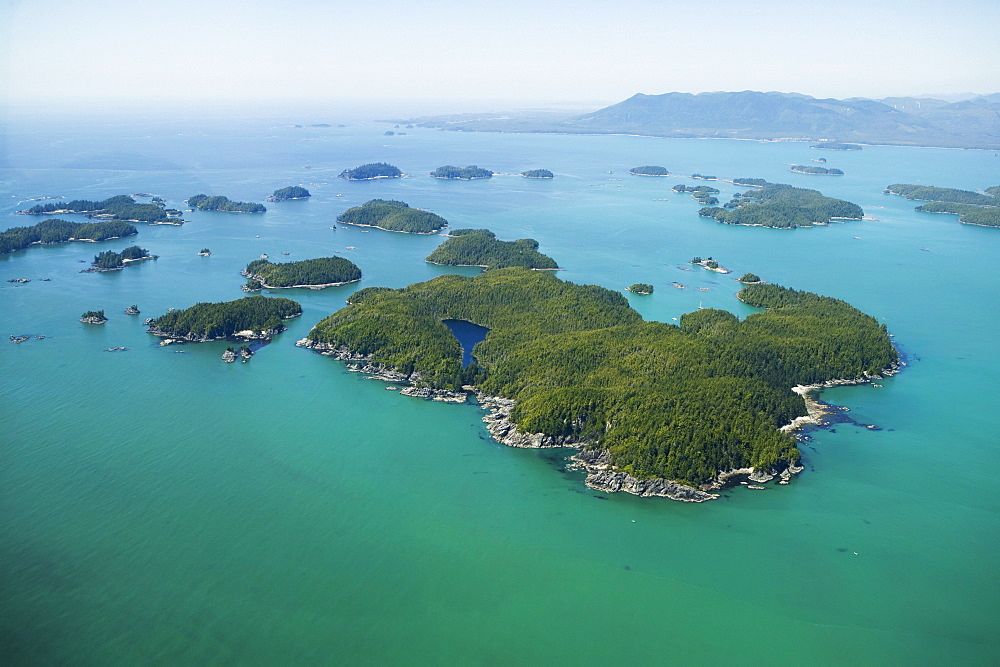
504,431
435,394
245,335
229,356
602,476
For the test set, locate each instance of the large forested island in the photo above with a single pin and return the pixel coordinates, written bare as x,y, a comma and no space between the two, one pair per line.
972,208
250,318
367,172
538,173
783,206
119,207
574,365
649,170
481,247
291,192
393,216
468,173
60,231
221,203
312,273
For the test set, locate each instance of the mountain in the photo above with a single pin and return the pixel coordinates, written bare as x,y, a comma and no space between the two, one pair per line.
970,123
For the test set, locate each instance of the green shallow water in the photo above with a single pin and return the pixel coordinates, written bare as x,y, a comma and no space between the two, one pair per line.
168,508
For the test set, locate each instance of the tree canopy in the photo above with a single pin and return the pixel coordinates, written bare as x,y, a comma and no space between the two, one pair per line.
372,170
462,173
221,203
213,321
394,216
649,170
538,173
56,230
480,247
783,206
319,271
291,192
681,403
119,207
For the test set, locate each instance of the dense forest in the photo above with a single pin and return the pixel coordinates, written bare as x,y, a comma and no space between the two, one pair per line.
214,321
59,231
987,216
756,182
110,260
640,288
931,193
808,169
538,173
119,207
783,206
972,208
291,192
369,171
480,247
649,170
836,146
220,203
393,216
463,173
680,403
319,271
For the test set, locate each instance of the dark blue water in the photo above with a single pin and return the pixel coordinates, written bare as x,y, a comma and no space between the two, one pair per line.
468,334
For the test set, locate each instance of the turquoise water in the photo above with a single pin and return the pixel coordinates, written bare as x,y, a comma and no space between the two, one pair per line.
169,508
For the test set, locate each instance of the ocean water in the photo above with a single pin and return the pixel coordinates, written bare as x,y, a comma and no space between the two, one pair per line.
165,508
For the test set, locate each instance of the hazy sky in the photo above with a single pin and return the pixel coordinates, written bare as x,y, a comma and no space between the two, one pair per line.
545,51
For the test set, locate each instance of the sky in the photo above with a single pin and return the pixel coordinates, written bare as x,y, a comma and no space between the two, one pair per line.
469,54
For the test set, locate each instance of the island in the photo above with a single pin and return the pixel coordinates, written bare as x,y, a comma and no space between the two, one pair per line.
640,288
56,230
649,170
481,247
393,216
470,173
836,146
932,193
710,264
806,169
538,173
110,260
316,273
752,182
701,193
221,203
750,278
368,172
120,207
291,192
972,208
250,318
205,252
783,207
657,409
702,177
93,317
132,310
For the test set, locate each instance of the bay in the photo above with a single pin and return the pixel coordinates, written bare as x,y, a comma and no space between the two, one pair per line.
170,508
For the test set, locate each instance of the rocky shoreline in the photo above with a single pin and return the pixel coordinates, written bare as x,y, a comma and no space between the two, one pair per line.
264,285
601,474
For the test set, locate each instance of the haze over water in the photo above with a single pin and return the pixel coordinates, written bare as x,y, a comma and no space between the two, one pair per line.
170,508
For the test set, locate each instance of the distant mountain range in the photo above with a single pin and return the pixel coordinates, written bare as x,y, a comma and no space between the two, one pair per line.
914,121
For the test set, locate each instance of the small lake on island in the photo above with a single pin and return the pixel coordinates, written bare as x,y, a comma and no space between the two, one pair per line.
468,334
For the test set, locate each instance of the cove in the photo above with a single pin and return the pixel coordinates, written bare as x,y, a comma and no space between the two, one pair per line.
468,334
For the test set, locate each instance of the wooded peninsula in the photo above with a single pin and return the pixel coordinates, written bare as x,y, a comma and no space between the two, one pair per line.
119,207
972,208
574,365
